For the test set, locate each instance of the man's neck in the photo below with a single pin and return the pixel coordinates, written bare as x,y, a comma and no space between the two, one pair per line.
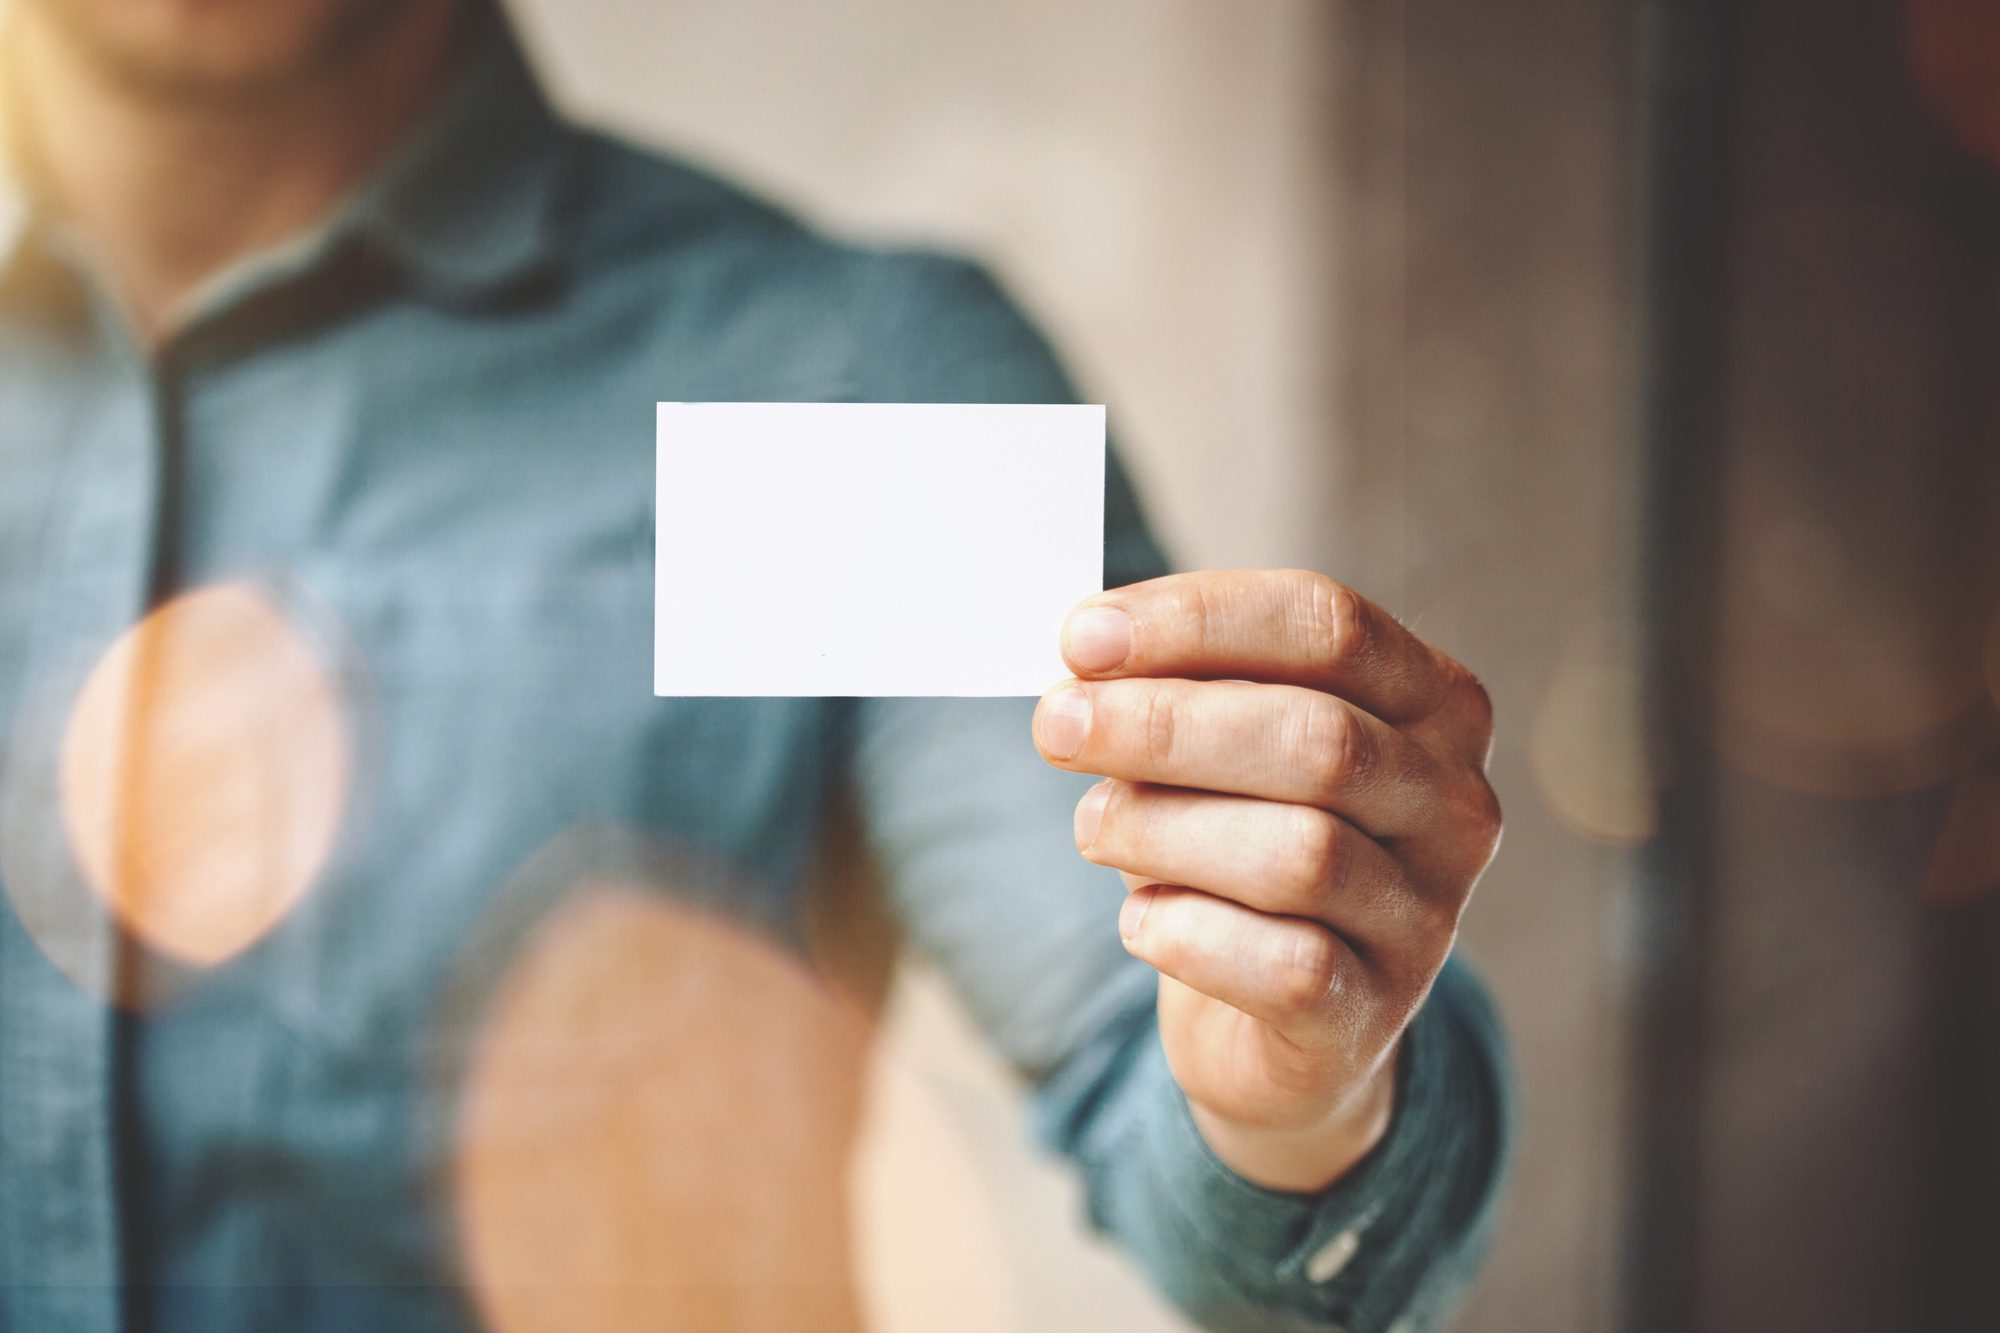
164,191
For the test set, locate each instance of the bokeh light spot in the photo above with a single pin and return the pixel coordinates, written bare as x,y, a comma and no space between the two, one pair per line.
1841,665
204,770
1587,745
656,1127
1953,49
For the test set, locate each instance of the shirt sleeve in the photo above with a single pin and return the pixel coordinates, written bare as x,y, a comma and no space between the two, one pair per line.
973,834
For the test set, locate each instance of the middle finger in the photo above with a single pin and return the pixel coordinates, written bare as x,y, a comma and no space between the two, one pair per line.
1278,742
1286,860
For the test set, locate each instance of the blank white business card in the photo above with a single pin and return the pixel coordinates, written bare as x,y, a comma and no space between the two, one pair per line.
872,548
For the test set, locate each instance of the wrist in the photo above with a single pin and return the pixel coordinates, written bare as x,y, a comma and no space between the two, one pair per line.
1311,1158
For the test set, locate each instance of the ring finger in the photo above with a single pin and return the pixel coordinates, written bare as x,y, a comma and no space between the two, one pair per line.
1289,860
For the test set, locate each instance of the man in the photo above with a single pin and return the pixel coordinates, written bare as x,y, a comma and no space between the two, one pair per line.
317,299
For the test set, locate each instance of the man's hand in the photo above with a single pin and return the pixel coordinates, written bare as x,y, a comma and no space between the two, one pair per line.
1295,793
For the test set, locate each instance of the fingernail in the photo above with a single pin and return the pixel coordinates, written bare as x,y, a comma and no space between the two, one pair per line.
1090,813
1098,639
1133,912
1063,722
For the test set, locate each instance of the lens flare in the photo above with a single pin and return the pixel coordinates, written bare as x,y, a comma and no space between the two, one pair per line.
203,773
1953,50
655,1129
1842,665
1587,745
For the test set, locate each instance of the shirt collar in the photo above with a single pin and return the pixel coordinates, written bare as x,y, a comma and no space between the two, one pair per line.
470,205
467,207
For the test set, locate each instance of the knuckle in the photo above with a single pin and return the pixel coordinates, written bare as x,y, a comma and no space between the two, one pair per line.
1157,726
1488,820
1206,614
1194,608
1317,862
1338,619
1479,702
1309,977
1476,703
1338,749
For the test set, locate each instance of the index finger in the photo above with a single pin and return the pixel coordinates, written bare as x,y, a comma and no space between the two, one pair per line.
1282,626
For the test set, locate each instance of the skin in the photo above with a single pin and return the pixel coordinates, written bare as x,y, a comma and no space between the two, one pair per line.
1295,793
176,136
1295,789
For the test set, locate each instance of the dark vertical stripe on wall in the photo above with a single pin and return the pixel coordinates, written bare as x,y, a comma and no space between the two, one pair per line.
1791,1171
1686,62
1962,1058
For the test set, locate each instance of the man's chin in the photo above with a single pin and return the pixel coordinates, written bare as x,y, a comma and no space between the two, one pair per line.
223,51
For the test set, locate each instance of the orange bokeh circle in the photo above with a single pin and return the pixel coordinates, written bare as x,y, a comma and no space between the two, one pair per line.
655,1129
203,773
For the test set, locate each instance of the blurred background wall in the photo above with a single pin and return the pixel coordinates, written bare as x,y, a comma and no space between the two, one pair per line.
1353,282
1223,212
1820,1024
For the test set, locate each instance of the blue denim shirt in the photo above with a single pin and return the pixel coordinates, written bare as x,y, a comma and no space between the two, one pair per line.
423,437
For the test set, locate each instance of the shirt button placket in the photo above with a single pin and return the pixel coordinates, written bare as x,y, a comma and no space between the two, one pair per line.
63,1267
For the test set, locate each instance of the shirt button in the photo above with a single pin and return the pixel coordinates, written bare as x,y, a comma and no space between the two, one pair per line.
1330,1258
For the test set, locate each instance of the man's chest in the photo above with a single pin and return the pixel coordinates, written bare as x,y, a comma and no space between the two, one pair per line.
307,660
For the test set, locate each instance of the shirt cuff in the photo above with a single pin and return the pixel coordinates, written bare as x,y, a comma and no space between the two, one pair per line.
1388,1245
